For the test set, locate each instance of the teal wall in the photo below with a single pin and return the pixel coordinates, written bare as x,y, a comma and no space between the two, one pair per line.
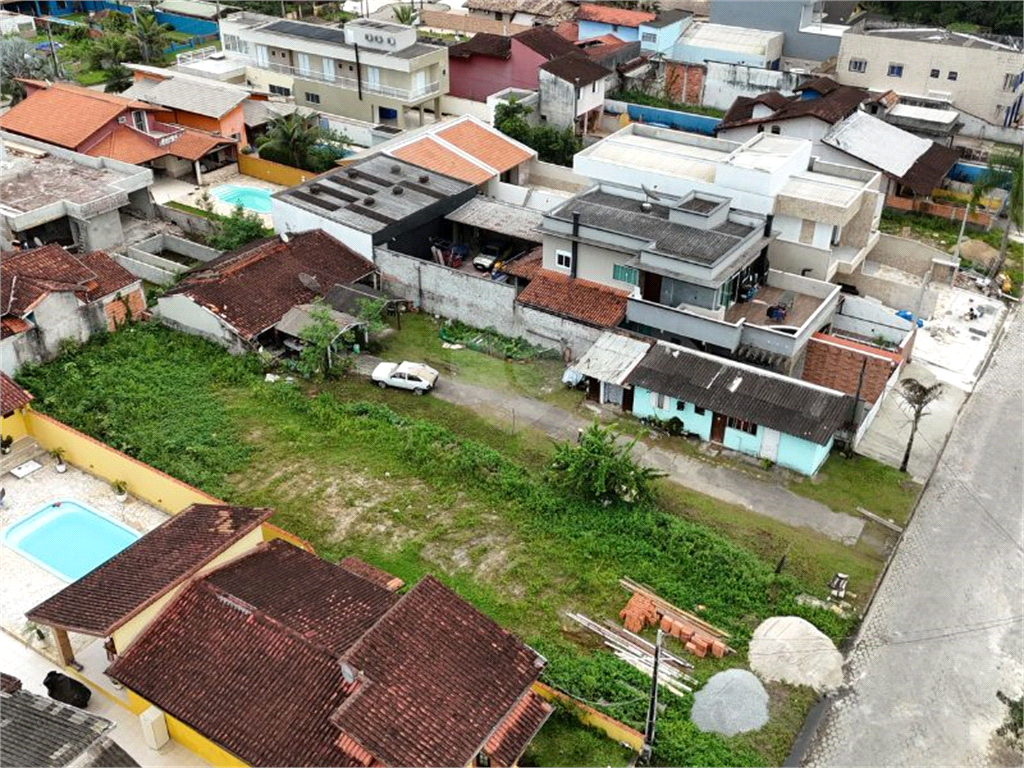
738,440
794,452
802,455
699,424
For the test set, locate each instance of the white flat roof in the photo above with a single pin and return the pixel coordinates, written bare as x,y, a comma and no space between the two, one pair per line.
726,38
943,116
822,188
766,154
676,158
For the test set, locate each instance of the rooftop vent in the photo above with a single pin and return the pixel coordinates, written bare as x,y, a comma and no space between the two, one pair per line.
368,201
424,179
352,173
396,190
316,188
646,207
396,169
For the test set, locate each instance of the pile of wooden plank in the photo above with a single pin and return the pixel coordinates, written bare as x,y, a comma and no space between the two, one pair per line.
646,608
639,653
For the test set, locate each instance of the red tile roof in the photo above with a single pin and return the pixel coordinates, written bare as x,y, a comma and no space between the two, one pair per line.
12,326
12,397
192,145
570,30
582,300
605,14
65,114
106,597
428,153
111,277
440,677
527,266
372,573
486,145
239,677
9,683
877,351
328,605
517,730
251,289
246,665
130,146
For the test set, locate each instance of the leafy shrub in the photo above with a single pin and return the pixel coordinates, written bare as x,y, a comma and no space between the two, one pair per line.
553,145
598,469
238,229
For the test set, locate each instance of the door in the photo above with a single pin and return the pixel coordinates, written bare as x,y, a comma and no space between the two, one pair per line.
419,83
613,394
769,444
593,389
262,60
718,427
373,78
303,63
627,400
328,68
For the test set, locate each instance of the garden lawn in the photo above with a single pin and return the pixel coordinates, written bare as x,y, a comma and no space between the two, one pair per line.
418,486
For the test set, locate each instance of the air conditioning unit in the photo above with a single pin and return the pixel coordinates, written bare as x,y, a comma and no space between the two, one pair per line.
154,728
122,120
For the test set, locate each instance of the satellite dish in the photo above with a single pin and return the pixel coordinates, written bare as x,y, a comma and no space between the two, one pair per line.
348,673
309,282
649,193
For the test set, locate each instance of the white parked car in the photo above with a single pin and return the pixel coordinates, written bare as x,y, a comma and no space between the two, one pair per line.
418,377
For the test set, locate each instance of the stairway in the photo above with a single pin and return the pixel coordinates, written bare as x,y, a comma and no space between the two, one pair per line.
24,449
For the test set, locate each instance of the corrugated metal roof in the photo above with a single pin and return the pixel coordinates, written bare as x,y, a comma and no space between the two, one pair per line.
927,114
743,392
612,357
494,216
739,39
299,317
874,141
178,93
193,8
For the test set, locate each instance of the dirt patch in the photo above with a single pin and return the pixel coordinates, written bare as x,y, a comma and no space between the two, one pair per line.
487,555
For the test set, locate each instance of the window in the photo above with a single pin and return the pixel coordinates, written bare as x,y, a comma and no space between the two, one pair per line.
1011,81
760,129
776,130
657,401
563,259
625,274
699,411
680,405
743,426
934,73
615,27
498,17
327,65
483,760
139,119
593,88
951,76
312,98
858,65
837,232
280,90
649,37
895,70
304,64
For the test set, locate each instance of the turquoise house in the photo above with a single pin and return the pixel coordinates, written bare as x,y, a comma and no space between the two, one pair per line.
746,409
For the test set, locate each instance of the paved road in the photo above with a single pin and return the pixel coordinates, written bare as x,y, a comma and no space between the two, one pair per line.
940,638
724,483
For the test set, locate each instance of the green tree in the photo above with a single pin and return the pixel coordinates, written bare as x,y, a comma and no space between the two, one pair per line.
18,58
119,78
371,311
1009,168
510,119
553,145
405,14
599,469
112,50
238,229
316,360
917,397
301,142
152,36
116,22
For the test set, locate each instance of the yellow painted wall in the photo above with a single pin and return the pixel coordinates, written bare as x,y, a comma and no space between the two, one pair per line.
611,727
258,168
188,737
14,425
125,635
144,482
271,532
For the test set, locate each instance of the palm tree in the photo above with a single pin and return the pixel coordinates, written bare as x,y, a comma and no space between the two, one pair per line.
298,140
111,51
151,35
119,78
405,14
1011,165
917,396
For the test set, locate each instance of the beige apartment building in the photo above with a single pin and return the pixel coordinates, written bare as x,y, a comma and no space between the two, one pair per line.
367,70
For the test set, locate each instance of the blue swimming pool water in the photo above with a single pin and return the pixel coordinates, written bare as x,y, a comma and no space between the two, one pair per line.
250,198
68,539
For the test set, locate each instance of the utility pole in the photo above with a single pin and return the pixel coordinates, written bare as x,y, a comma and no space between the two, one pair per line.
652,705
53,52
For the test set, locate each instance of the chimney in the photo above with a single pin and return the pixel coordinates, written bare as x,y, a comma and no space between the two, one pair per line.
575,244
768,225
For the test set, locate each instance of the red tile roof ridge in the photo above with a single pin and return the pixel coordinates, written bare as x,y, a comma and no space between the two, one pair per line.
12,396
244,258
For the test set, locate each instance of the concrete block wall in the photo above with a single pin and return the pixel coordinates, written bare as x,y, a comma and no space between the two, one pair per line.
196,225
867,316
907,255
836,364
724,82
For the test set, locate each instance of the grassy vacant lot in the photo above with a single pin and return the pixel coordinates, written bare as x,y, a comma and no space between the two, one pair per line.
416,485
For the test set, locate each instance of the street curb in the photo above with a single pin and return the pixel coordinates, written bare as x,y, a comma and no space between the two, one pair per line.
821,709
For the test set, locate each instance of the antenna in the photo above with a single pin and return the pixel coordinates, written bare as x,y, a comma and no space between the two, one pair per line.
348,673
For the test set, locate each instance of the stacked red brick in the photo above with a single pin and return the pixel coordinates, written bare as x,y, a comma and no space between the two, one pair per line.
644,610
696,641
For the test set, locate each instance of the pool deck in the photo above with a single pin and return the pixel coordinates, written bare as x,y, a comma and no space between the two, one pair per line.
237,180
23,584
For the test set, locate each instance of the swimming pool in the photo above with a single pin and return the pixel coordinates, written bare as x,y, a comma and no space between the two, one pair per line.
250,198
68,539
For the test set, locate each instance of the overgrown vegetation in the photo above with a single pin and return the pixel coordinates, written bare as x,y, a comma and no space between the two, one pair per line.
238,229
553,145
563,742
19,59
999,18
598,469
1013,726
346,469
647,100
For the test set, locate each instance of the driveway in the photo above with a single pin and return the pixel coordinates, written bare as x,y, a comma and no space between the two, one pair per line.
723,483
944,633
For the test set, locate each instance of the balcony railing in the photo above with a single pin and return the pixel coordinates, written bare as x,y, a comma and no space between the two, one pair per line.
351,84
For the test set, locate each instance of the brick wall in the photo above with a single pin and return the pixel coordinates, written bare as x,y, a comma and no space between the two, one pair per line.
116,311
836,364
684,83
467,23
942,210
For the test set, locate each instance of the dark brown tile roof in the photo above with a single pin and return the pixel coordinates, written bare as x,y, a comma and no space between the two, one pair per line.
438,678
12,397
545,41
11,326
251,289
929,169
510,739
822,85
109,595
576,68
240,678
111,277
372,573
482,44
9,683
834,105
582,300
328,605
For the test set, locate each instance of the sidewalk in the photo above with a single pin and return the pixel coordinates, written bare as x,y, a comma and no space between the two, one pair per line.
723,483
